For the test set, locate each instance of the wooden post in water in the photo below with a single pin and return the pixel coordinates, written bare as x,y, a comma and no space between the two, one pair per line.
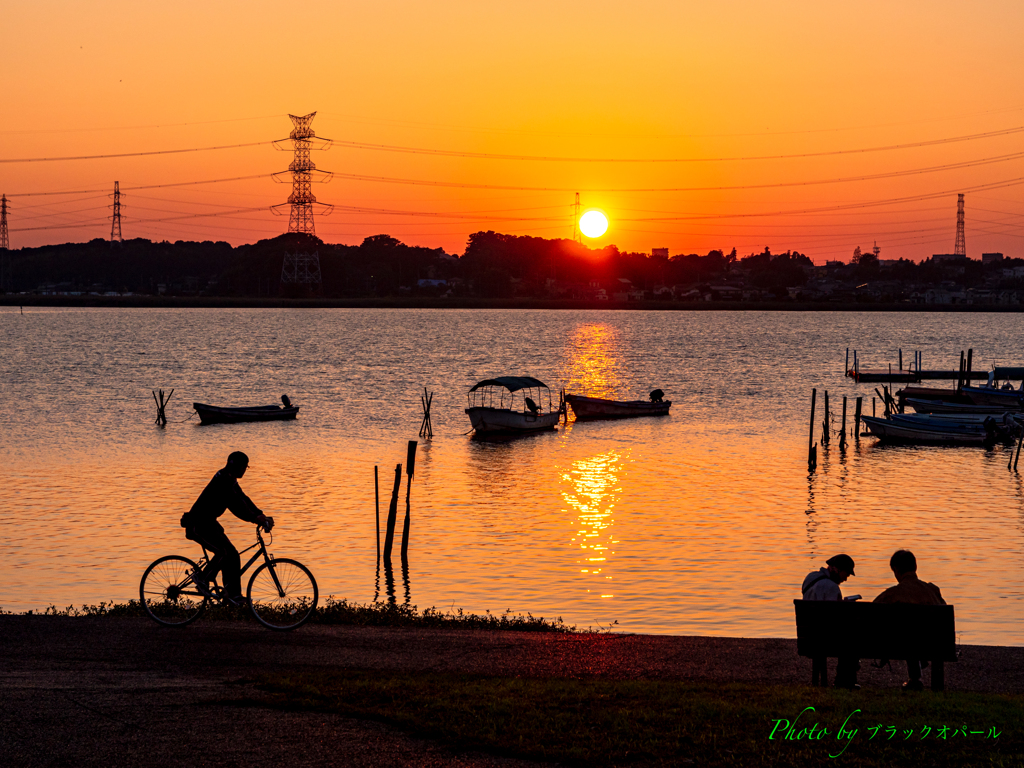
873,407
901,361
812,454
856,420
426,428
842,434
376,502
967,376
825,426
161,404
1017,458
389,536
410,469
846,370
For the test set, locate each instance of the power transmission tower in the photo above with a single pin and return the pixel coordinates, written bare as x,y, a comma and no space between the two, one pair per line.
960,249
577,236
5,244
302,168
115,220
303,270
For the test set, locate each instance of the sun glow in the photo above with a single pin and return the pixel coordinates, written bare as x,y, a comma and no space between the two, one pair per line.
593,223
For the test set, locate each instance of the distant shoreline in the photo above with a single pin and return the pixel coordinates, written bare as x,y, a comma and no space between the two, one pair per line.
241,302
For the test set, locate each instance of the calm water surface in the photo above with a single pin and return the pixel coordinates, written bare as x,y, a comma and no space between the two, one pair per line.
703,522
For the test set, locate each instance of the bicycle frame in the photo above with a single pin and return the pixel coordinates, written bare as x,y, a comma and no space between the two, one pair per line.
267,557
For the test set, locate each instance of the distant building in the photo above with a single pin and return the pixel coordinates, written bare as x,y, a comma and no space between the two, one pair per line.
947,257
991,258
659,252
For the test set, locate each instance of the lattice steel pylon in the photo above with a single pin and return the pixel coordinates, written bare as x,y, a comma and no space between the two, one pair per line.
115,219
302,168
960,248
5,244
302,269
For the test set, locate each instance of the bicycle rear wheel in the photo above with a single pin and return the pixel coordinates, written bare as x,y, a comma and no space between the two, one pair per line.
169,595
282,594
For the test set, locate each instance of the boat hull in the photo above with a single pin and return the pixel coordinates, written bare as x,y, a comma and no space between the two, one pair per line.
903,432
1009,399
942,406
213,414
502,420
594,408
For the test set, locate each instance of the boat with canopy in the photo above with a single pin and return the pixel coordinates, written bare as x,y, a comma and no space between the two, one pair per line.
511,404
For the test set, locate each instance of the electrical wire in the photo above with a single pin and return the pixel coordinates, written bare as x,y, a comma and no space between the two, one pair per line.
773,185
131,154
551,159
149,186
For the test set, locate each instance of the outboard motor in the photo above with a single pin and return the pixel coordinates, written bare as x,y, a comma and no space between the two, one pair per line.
657,396
286,401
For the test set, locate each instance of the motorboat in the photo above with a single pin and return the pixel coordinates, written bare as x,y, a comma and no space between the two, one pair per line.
902,430
215,414
507,404
594,408
944,406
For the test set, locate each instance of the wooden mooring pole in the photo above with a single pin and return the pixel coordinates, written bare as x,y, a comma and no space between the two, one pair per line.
825,426
842,434
161,404
376,500
410,470
389,535
812,451
856,419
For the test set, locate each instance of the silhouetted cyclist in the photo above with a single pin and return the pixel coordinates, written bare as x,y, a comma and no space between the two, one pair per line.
200,524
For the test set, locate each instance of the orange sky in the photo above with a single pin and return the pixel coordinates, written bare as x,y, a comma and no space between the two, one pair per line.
654,80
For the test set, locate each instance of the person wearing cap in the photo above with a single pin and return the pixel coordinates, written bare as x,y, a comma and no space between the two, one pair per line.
823,584
910,589
201,525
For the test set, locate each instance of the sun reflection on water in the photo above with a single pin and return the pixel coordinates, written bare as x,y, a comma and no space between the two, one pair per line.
593,360
592,490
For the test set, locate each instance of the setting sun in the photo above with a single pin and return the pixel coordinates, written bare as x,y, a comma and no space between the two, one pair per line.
593,223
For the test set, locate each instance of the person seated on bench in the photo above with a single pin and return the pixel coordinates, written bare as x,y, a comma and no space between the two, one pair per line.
823,584
910,589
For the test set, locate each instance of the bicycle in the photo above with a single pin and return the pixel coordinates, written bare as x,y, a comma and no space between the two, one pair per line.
282,593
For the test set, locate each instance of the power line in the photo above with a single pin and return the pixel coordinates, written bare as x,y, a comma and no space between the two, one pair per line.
553,159
149,186
131,154
773,185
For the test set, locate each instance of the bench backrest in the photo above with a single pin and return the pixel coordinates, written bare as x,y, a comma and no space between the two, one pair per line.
875,630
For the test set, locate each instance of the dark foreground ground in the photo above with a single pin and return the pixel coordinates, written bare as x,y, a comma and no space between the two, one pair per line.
124,692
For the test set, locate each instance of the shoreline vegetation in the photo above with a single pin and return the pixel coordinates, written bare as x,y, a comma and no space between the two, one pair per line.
342,612
602,722
462,303
570,697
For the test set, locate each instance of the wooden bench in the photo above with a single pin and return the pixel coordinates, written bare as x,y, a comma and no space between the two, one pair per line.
859,630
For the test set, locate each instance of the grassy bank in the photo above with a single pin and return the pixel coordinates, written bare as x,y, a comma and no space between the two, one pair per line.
607,722
342,612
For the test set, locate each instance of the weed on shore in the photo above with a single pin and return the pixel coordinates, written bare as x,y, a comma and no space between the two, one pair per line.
596,722
342,612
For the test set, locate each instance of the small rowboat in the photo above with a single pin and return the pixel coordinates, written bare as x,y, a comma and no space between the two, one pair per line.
594,408
212,414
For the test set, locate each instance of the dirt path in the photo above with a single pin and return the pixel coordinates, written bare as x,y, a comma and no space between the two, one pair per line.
125,692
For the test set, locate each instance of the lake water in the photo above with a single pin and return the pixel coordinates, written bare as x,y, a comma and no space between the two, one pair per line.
702,522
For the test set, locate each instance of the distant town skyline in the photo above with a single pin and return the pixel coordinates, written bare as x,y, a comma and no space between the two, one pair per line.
794,126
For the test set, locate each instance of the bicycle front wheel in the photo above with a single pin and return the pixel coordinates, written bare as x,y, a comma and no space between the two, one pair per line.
282,594
169,595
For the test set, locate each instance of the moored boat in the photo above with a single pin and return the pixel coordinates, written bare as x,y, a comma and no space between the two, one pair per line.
214,414
495,406
944,406
904,431
593,408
